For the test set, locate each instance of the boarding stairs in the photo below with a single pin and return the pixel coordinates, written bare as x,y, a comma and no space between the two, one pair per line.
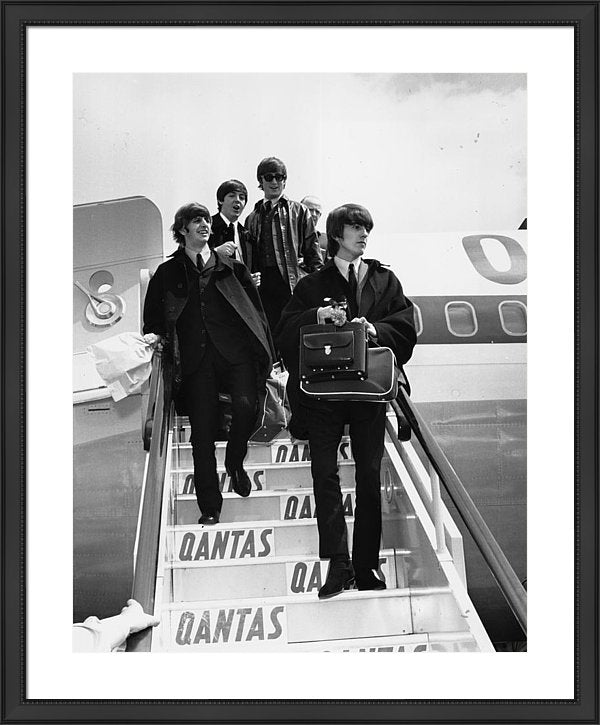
250,583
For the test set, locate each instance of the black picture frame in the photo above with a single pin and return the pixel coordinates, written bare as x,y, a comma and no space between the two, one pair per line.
16,18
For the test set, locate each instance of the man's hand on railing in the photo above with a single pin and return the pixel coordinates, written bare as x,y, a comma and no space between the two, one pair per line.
110,634
135,616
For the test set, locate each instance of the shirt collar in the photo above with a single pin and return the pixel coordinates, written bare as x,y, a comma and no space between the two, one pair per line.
260,204
282,200
343,265
205,254
226,220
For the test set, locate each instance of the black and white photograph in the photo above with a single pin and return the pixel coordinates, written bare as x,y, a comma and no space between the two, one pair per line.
337,210
318,398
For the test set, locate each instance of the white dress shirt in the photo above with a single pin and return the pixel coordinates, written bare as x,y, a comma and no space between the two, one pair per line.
360,268
205,254
236,237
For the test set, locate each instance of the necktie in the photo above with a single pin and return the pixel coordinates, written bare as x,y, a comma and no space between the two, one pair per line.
231,238
199,262
353,290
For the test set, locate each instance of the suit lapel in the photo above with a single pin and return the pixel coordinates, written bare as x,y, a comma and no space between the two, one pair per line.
217,223
245,244
372,291
217,230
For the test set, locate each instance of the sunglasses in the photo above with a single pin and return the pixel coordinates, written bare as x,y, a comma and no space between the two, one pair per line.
270,177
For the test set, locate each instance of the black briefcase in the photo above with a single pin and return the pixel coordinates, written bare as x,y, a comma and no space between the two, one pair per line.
329,352
380,386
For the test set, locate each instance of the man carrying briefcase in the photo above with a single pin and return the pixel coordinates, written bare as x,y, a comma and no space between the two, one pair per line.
374,297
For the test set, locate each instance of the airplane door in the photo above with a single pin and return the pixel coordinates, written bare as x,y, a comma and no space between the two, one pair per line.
112,242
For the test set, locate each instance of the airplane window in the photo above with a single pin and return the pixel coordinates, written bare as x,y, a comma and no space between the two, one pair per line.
418,319
461,319
513,317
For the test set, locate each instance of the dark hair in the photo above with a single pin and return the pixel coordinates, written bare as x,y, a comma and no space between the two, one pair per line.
227,187
270,165
345,214
186,214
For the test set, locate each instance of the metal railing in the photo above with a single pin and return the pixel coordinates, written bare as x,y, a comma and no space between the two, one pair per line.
155,434
508,582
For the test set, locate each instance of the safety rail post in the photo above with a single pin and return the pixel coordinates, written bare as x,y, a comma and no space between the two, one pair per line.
436,501
146,564
510,586
148,419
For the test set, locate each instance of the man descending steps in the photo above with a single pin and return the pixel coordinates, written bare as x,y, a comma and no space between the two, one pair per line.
375,298
205,307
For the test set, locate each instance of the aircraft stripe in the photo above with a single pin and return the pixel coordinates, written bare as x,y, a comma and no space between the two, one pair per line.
471,319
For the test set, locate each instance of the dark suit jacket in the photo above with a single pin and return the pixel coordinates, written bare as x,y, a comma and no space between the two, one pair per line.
382,302
217,237
168,293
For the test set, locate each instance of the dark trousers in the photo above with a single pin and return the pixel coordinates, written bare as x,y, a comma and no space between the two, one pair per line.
274,294
367,428
201,390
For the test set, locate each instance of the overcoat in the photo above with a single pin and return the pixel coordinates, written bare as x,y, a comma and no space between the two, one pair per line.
167,296
382,303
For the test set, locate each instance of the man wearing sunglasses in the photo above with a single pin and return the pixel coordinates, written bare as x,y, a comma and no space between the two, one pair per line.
285,238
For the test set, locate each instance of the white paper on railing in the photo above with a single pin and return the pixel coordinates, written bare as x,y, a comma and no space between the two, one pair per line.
124,362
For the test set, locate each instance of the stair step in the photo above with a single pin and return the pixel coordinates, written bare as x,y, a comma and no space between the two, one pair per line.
264,476
281,451
249,539
277,622
250,583
448,642
269,577
265,504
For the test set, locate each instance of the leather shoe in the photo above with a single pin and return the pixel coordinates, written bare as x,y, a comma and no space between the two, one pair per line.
241,482
340,576
209,519
365,579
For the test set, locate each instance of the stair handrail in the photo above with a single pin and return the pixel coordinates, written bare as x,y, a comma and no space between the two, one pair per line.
156,435
501,569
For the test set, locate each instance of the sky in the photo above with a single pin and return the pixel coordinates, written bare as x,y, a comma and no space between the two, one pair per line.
423,152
